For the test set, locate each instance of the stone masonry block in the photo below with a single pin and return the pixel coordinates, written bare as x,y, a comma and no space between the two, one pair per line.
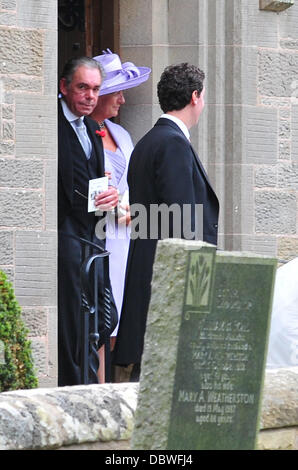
284,129
35,272
7,111
288,23
51,179
20,208
287,248
278,439
294,140
135,26
277,72
275,212
262,245
261,135
20,83
7,18
38,119
21,173
288,175
259,28
41,14
6,252
50,63
8,4
25,60
183,22
36,320
280,406
39,353
8,130
289,43
266,176
284,149
7,148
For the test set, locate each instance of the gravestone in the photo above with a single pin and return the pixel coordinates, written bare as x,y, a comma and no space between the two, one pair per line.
205,349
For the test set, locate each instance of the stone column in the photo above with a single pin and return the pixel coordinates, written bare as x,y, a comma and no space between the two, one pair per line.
28,93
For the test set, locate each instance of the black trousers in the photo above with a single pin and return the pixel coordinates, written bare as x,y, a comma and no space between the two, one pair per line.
70,258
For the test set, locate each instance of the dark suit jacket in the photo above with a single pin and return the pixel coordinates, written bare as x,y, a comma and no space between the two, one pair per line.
163,168
67,140
74,220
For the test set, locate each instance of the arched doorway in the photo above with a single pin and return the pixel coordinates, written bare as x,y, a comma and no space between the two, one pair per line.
86,27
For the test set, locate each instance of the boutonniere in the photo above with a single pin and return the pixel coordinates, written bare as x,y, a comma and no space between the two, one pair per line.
101,130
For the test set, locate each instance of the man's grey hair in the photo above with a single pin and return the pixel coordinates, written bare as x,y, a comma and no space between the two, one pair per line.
73,64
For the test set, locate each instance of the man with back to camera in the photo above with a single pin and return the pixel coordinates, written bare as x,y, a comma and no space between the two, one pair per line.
80,158
163,169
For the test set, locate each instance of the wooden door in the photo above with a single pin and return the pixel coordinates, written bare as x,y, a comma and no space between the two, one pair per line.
86,27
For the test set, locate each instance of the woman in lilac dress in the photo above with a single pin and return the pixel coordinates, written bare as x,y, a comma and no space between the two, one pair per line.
118,146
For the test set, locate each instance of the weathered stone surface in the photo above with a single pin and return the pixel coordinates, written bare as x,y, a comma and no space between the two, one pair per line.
8,130
36,268
278,439
9,4
50,418
37,118
102,416
265,176
7,111
6,243
284,150
280,404
22,83
277,72
39,353
275,212
36,320
261,135
288,176
294,140
20,208
287,248
6,148
25,60
21,173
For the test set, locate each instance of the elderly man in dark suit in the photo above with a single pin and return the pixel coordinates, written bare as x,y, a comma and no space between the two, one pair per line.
80,159
164,169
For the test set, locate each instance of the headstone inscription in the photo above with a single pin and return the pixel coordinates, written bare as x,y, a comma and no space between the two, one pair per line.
205,349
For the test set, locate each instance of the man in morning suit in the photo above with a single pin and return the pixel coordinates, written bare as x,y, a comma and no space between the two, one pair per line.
80,158
163,169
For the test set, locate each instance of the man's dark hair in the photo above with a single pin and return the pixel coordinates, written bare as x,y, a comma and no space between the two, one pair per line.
73,64
176,85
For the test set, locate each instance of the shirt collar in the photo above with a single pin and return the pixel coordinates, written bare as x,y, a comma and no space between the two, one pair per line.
69,114
179,123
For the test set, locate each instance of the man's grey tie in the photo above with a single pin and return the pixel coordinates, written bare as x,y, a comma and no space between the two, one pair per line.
83,136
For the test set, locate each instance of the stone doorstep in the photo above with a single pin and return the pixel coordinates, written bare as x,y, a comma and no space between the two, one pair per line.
102,416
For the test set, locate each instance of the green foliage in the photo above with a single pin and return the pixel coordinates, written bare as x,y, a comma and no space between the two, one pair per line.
16,367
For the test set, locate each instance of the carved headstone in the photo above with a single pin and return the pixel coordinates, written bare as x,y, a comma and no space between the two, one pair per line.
205,349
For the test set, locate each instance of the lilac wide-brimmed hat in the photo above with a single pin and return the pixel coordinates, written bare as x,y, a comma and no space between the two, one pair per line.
120,76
